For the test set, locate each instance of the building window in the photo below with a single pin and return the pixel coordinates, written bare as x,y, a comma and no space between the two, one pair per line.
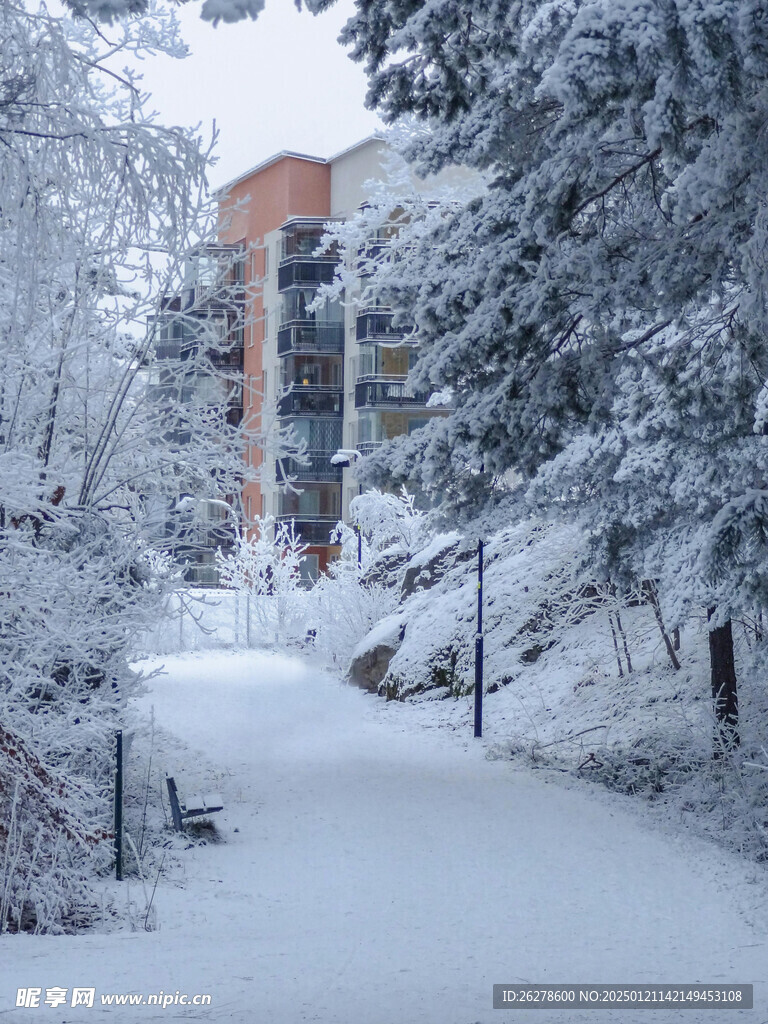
310,568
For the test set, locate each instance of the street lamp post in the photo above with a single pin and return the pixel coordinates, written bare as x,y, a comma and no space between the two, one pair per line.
347,457
479,645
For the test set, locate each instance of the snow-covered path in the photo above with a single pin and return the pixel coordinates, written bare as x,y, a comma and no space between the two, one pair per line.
382,874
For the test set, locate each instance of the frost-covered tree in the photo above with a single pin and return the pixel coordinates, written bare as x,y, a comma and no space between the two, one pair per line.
389,521
626,205
358,589
97,205
266,564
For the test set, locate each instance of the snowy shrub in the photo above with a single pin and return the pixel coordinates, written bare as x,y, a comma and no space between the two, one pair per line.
91,192
534,587
389,521
266,566
342,607
350,599
48,843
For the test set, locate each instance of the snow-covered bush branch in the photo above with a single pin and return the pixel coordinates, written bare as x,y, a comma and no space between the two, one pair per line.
99,207
266,565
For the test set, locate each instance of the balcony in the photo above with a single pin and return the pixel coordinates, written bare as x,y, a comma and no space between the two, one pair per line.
215,535
310,400
378,392
172,350
305,272
313,529
202,575
219,296
303,236
308,336
374,324
368,447
316,469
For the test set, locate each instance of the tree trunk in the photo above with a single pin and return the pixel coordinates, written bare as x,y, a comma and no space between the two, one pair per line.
724,685
615,646
652,596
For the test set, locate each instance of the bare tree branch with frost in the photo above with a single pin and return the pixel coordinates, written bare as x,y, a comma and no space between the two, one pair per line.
99,207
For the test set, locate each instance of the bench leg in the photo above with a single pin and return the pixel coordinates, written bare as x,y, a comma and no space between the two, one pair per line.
174,801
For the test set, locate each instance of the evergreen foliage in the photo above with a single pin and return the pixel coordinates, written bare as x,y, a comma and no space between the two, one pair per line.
599,313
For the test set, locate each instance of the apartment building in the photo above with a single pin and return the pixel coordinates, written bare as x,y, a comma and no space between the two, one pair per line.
336,374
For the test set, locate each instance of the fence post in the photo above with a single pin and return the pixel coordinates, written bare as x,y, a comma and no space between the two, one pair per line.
119,805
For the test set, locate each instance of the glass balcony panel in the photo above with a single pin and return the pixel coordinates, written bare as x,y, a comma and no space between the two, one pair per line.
315,467
311,369
301,239
312,529
295,306
384,392
300,272
311,401
310,336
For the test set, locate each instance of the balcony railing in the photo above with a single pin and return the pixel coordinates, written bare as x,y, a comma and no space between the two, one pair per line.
367,447
201,535
305,271
313,529
375,324
371,249
308,336
202,575
315,468
204,296
181,350
310,400
373,391
227,357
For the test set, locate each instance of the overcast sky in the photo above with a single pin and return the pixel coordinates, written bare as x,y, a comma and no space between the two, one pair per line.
281,82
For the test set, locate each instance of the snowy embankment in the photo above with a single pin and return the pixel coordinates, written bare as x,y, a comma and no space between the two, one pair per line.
372,870
577,675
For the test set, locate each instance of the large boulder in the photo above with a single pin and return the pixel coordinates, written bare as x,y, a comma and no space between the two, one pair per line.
387,570
428,567
369,668
371,657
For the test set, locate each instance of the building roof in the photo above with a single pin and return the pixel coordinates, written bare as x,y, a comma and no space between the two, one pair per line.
296,156
268,163
375,137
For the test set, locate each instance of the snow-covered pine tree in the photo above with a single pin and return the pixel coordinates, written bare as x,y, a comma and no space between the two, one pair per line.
628,162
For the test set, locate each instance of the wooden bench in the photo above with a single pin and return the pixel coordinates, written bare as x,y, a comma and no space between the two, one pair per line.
195,807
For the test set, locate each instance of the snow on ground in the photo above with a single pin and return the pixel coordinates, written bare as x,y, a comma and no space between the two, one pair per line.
376,872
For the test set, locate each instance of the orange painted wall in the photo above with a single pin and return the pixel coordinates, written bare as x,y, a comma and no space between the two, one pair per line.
289,187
